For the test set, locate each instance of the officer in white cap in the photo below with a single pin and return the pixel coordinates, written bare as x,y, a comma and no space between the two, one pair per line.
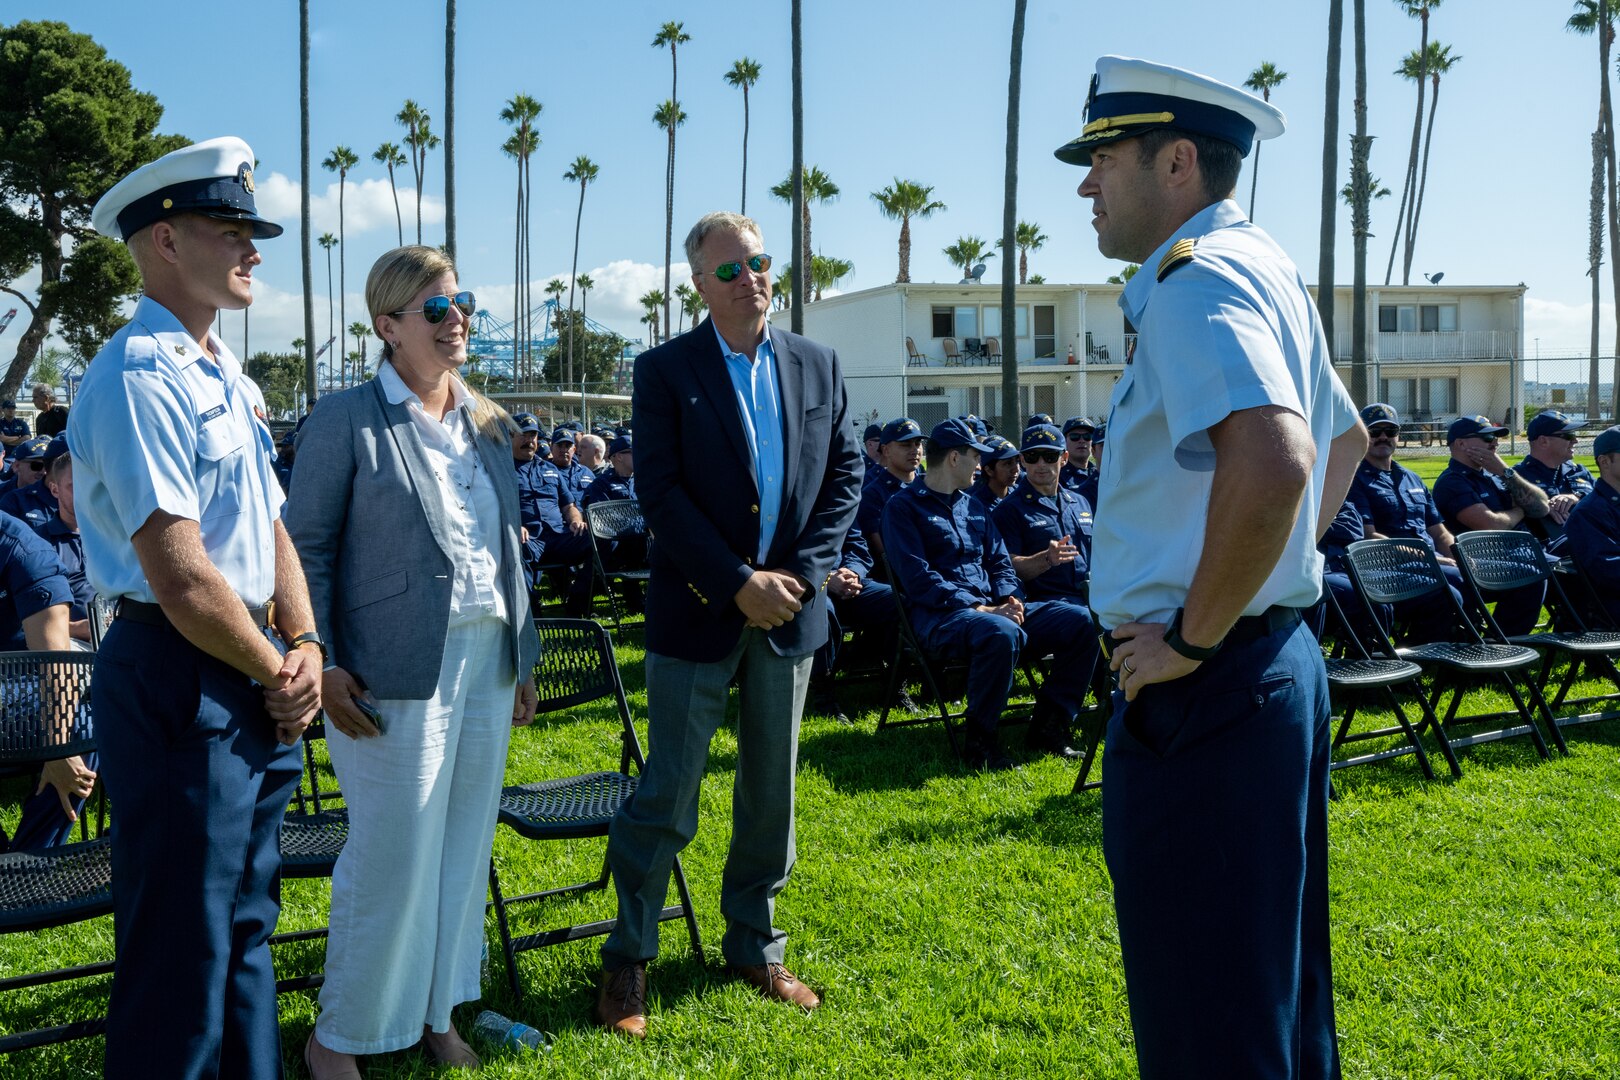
211,670
1233,446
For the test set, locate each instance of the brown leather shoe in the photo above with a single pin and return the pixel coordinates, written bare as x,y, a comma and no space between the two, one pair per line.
621,1005
450,1049
777,983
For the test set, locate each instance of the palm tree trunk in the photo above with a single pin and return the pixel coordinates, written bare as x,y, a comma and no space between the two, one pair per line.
801,250
303,199
331,304
744,210
418,163
669,209
1360,146
809,252
1606,37
1330,183
343,281
528,264
399,222
1409,233
1011,419
1423,173
1023,266
450,129
1595,259
578,218
905,250
517,281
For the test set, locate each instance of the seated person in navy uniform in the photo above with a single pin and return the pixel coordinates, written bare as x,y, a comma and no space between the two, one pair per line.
872,439
34,602
61,532
858,603
1393,501
900,451
1550,466
8,479
31,500
1592,530
998,472
1079,473
1047,530
575,475
1479,491
629,551
1040,418
13,428
286,454
557,542
961,593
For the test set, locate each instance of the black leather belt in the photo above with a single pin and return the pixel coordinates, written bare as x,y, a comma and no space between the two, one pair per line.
152,614
1246,629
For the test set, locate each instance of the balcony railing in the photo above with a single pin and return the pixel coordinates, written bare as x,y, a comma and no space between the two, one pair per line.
1453,345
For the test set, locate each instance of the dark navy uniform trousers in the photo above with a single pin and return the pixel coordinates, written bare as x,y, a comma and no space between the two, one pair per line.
992,645
199,786
1215,833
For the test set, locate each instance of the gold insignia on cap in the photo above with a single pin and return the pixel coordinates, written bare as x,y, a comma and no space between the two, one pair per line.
1127,120
168,204
247,180
1180,253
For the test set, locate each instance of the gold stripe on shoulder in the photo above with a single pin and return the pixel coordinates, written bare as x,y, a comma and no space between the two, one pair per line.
1180,253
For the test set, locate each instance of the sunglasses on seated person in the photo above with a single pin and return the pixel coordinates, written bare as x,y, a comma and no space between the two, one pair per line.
1388,431
1488,440
729,271
1041,457
1079,436
435,308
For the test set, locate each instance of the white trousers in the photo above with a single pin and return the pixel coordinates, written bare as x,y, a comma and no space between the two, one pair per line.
407,925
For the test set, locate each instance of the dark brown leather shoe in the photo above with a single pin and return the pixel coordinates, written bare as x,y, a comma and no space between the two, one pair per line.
621,1006
777,983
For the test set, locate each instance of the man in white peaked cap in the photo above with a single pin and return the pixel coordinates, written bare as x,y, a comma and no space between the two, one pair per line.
1232,446
211,670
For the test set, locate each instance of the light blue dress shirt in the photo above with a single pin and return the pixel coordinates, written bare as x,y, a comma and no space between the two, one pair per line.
759,403
157,425
1234,329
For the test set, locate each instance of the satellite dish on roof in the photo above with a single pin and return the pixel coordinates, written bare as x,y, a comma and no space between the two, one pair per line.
978,272
1434,279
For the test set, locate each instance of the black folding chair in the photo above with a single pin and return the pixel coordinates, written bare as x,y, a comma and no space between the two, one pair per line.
613,522
576,666
312,837
1358,673
1094,723
1499,560
1394,570
45,716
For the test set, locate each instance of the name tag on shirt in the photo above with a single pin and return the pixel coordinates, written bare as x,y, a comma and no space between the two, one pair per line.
213,414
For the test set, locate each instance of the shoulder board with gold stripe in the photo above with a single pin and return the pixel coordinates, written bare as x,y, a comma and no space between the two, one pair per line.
1180,253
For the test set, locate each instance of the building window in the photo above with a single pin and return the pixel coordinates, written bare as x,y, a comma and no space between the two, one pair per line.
944,322
1417,318
1045,331
967,322
1420,399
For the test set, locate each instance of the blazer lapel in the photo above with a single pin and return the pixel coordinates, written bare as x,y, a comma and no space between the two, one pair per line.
790,384
709,370
408,441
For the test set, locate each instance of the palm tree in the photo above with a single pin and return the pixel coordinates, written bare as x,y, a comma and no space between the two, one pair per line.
555,289
901,201
340,161
1417,9
308,347
328,241
1328,226
672,35
585,286
390,155
1375,190
420,138
800,256
782,287
966,251
1011,406
1438,61
1026,238
583,171
692,304
450,129
361,331
826,272
521,111
669,117
1262,79
1360,148
650,302
1598,16
683,293
817,187
744,73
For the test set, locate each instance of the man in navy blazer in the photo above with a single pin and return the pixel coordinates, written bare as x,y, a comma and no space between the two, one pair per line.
753,481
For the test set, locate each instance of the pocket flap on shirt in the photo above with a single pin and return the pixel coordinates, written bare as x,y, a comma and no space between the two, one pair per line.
374,589
218,437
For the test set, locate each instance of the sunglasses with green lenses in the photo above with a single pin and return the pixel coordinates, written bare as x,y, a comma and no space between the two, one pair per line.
435,308
729,271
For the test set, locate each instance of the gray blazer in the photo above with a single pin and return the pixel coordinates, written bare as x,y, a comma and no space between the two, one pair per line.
375,551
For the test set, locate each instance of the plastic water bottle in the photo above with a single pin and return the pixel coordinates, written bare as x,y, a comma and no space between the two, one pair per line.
509,1033
483,966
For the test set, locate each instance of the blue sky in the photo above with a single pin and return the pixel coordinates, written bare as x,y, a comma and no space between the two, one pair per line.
916,91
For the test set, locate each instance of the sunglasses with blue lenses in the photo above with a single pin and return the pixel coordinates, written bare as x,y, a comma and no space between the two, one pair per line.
435,308
729,271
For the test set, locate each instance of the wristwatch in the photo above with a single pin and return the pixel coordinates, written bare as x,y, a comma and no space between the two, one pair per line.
1173,638
311,638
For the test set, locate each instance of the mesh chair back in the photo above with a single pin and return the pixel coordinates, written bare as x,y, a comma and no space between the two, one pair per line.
1501,559
45,706
1392,570
576,666
614,518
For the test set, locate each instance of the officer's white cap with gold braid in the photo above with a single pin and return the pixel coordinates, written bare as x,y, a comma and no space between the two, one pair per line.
1131,97
213,178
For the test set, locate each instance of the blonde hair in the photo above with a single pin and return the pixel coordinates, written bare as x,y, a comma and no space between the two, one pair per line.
393,282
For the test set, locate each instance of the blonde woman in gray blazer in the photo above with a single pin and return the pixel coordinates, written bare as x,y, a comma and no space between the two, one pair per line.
406,522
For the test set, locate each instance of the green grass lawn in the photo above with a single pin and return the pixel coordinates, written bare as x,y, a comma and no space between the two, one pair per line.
963,925
1431,465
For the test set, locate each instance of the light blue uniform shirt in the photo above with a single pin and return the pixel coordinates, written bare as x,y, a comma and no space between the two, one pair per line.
157,425
759,403
1234,329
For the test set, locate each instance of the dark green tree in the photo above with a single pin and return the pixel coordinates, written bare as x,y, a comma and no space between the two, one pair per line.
281,377
596,355
71,125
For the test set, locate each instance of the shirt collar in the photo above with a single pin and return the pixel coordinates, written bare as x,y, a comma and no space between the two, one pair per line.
178,342
1215,216
762,351
397,393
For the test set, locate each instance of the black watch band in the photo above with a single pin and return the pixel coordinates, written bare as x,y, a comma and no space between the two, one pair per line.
312,637
1173,638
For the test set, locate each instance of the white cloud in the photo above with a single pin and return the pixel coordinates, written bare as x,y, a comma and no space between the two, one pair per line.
1564,329
367,204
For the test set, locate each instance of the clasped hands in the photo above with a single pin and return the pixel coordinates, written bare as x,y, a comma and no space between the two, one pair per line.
770,598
